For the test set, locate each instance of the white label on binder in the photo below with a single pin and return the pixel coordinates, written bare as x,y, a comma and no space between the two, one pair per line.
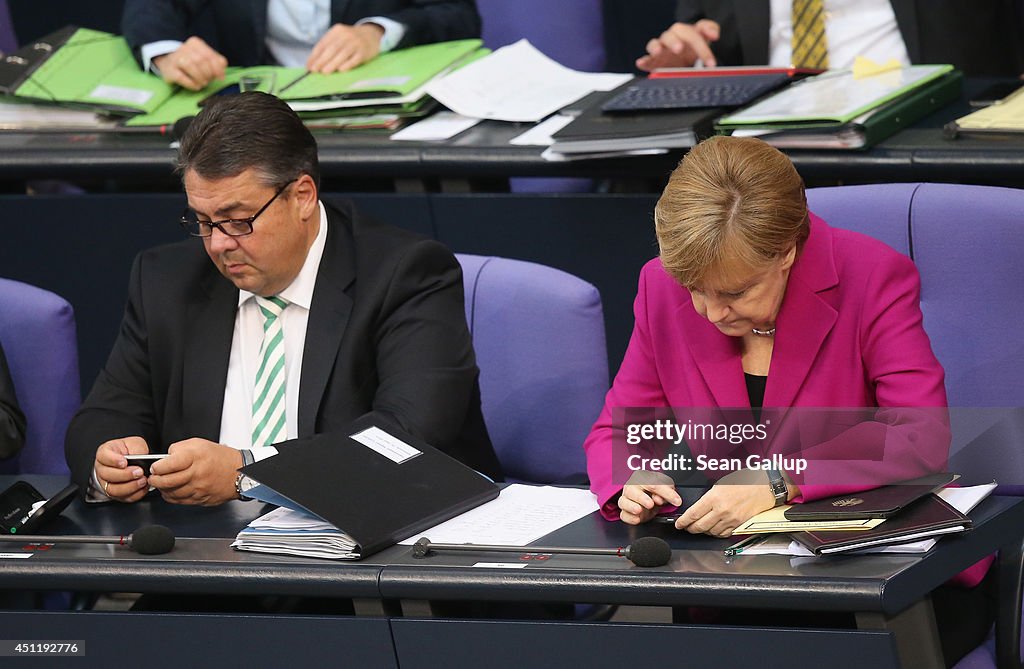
14,556
136,96
500,565
390,447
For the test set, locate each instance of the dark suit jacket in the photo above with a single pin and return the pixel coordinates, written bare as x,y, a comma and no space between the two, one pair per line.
12,421
386,336
238,28
980,38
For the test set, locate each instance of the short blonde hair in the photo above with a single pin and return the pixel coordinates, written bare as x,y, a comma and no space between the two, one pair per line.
730,198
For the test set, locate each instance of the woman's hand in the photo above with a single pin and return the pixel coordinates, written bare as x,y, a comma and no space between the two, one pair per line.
644,494
725,507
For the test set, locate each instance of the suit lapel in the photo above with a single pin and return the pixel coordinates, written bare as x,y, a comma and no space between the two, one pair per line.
328,317
905,12
339,9
208,333
753,20
805,319
718,359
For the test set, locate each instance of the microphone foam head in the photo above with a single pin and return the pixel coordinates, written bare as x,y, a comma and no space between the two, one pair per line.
649,552
152,540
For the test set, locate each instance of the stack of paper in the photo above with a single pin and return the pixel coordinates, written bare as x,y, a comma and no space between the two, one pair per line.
1005,116
291,532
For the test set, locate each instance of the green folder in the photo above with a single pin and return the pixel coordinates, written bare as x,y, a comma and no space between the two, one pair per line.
864,131
835,96
82,67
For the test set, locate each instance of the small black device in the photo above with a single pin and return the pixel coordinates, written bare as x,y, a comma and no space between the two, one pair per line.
144,460
16,507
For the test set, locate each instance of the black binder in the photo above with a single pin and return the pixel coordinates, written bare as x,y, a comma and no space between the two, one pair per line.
927,517
882,502
373,498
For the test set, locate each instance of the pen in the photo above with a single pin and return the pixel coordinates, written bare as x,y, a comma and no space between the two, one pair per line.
742,545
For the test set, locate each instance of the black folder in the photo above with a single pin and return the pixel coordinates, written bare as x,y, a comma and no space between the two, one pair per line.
877,503
376,499
927,517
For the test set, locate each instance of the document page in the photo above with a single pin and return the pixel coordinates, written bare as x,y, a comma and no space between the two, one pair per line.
520,514
517,83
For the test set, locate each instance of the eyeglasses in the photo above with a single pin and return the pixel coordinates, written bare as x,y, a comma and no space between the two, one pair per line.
233,227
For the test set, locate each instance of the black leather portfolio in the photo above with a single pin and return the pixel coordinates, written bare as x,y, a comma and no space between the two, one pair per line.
374,482
876,503
927,517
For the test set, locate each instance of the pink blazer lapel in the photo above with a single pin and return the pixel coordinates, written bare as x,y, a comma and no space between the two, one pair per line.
806,317
718,359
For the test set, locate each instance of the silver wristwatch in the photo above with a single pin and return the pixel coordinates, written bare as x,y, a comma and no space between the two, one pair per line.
778,485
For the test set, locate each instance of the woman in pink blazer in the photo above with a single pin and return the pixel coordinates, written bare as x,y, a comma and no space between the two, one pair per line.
757,305
753,297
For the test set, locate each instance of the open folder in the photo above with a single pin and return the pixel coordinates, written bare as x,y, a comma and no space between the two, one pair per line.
377,484
90,68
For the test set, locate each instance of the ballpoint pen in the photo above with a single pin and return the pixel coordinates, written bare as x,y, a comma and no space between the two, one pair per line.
741,545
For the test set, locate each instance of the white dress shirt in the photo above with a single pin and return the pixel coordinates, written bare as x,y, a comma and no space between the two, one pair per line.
852,27
236,416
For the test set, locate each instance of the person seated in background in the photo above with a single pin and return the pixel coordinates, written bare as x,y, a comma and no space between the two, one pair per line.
286,317
980,38
12,420
756,303
189,43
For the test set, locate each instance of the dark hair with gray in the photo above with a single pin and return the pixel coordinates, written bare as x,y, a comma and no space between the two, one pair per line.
249,131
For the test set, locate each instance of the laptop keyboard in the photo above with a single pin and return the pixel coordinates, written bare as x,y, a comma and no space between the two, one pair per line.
693,92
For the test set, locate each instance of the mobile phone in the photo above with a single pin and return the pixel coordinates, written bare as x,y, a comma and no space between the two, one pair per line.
144,461
994,94
16,506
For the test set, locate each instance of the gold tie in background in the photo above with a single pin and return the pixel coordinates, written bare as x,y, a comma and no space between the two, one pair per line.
810,48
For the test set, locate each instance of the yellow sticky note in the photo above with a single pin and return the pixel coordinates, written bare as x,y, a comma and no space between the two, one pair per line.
865,67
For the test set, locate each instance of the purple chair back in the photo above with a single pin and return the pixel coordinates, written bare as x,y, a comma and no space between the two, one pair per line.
570,32
37,331
966,243
540,345
8,42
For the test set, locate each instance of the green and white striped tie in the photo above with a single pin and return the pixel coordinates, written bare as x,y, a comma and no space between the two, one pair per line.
268,403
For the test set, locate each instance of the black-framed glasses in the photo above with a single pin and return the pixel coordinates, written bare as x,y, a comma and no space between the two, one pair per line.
233,227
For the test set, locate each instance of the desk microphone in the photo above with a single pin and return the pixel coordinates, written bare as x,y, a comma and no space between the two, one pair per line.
644,552
147,540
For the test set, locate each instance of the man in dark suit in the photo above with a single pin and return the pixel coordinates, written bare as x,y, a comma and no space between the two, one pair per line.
12,421
308,317
190,42
980,38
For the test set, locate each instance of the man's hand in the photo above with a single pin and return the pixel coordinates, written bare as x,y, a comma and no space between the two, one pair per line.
197,471
193,65
725,507
681,45
344,47
119,481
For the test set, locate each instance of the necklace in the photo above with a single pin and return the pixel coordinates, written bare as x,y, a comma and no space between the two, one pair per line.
770,332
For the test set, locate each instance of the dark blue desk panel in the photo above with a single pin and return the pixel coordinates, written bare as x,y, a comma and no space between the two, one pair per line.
183,641
426,644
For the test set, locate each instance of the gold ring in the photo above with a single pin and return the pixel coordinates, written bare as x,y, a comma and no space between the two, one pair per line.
106,484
